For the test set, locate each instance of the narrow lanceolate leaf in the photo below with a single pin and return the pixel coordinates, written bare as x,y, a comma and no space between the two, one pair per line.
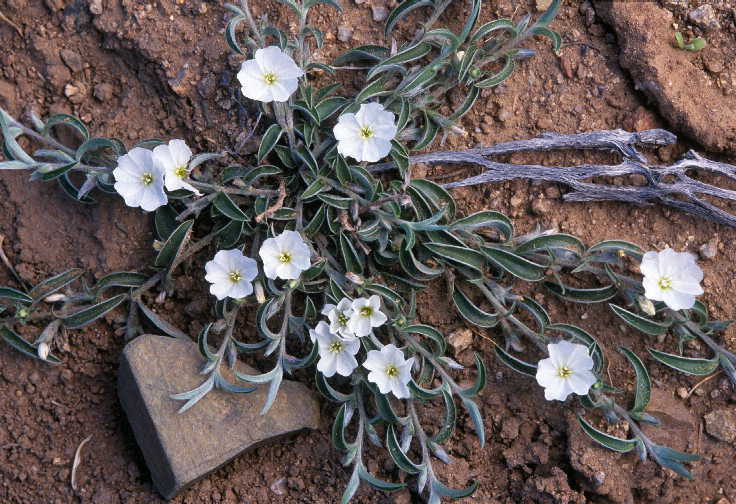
164,221
610,442
436,195
499,77
430,332
386,486
515,264
517,365
53,284
351,258
66,120
672,459
480,379
92,313
269,140
445,491
120,279
15,341
546,18
553,241
471,312
399,457
458,255
687,365
643,383
486,218
617,246
228,208
15,295
404,56
160,323
582,295
448,424
401,10
174,245
641,323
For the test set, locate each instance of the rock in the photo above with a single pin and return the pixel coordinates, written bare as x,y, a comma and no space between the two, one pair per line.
72,60
181,448
103,92
7,94
677,423
704,17
380,12
721,424
460,340
95,7
710,249
57,74
344,33
540,206
75,91
543,5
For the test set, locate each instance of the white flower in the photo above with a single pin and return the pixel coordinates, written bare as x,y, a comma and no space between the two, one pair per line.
672,277
271,76
336,354
285,256
568,370
339,317
173,161
231,274
367,135
389,370
366,315
139,181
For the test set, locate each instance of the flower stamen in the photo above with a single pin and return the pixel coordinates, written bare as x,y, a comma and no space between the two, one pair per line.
336,347
564,372
235,276
366,132
392,371
147,179
665,283
366,311
181,171
285,257
270,78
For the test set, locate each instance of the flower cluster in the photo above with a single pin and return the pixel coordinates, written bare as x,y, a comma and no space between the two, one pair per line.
142,175
231,273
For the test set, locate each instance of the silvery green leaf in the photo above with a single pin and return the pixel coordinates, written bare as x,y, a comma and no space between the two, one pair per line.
552,241
641,323
437,195
471,312
15,295
92,313
596,295
687,365
465,106
448,424
53,284
193,396
517,365
160,323
371,90
327,390
327,107
617,246
15,165
550,34
402,461
515,264
204,347
174,245
202,158
49,172
339,202
418,82
269,140
305,156
96,144
429,133
72,190
165,221
430,332
445,491
230,34
611,442
228,208
314,189
643,383
462,256
537,311
486,218
273,389
15,341
10,134
490,27
222,384
66,120
672,459
120,279
366,53
499,77
480,379
549,14
338,429
470,21
401,10
351,487
380,484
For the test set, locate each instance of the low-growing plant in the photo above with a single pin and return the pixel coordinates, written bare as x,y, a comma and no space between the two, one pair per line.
333,254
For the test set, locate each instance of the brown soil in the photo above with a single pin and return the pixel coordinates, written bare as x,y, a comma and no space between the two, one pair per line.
142,70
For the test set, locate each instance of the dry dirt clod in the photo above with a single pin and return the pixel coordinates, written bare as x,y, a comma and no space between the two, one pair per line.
344,33
721,424
704,17
709,250
380,12
460,340
543,5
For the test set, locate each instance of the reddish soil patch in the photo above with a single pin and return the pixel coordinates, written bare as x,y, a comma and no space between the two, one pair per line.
164,70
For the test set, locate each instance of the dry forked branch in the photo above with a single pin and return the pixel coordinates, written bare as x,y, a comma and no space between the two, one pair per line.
683,193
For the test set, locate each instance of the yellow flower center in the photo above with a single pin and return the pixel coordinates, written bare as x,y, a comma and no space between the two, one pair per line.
342,319
392,371
270,78
181,171
235,276
366,132
665,283
366,311
564,372
147,179
336,347
285,257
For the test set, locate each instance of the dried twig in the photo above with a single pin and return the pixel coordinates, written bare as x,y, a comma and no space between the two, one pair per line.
77,460
682,193
276,206
5,18
8,264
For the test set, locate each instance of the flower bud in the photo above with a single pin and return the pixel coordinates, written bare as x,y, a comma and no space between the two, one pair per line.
355,278
43,351
646,306
158,245
54,298
460,55
260,295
